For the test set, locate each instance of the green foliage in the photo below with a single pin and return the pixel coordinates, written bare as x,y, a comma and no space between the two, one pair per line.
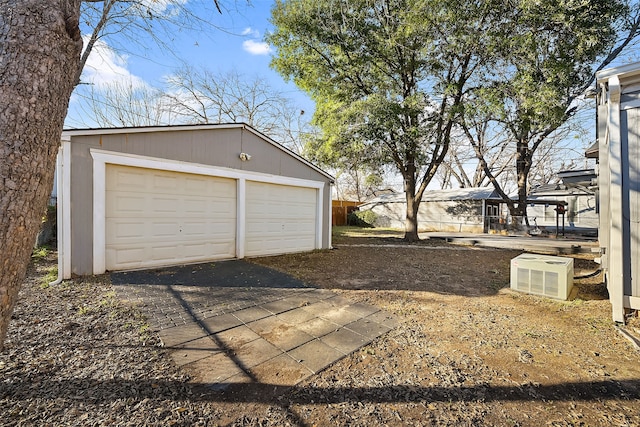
40,253
547,59
364,219
393,79
545,56
387,77
51,276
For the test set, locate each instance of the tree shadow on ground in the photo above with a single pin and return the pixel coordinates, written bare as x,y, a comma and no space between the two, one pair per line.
101,391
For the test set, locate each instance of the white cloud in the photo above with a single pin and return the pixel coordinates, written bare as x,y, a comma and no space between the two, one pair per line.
251,32
256,47
105,66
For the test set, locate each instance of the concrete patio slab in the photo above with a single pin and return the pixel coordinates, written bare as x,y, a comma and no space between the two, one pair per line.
237,337
277,307
302,299
195,350
316,355
266,326
338,301
367,328
344,340
296,316
545,245
281,370
234,322
361,309
218,369
318,327
256,352
221,323
383,318
318,308
340,316
287,337
252,313
181,334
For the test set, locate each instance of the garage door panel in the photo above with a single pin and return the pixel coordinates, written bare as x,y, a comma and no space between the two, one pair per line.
158,231
197,206
161,218
162,230
162,181
280,219
126,229
119,204
150,255
128,257
165,205
129,179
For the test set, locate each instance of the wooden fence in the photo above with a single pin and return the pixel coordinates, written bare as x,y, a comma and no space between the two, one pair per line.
340,210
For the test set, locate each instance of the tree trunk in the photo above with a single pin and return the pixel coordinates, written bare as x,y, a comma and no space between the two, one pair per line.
523,166
411,221
40,48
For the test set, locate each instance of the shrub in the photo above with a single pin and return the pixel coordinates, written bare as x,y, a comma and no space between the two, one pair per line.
362,219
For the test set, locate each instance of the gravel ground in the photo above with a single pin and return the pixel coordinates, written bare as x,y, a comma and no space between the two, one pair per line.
468,351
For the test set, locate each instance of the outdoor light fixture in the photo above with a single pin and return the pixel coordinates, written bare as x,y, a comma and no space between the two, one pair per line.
245,157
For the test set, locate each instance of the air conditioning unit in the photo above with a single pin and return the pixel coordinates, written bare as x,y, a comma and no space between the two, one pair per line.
550,276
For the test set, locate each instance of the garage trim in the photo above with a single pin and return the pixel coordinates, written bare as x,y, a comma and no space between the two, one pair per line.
63,183
101,158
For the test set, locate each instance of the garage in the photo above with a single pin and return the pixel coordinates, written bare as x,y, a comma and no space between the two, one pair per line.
135,198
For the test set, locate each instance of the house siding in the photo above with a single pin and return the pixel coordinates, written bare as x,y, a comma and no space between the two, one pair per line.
580,217
619,182
446,215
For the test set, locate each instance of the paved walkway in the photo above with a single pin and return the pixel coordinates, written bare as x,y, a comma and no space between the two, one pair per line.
236,322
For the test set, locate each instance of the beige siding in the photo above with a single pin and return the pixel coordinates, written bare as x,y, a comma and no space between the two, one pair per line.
156,218
458,216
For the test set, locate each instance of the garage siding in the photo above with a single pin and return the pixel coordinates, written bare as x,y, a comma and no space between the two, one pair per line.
158,217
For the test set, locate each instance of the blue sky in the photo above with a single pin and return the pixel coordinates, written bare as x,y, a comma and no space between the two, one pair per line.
236,43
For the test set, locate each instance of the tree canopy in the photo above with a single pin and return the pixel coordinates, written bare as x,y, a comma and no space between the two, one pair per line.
545,61
395,81
388,78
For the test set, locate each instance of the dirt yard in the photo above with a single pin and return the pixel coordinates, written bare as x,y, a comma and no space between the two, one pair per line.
468,351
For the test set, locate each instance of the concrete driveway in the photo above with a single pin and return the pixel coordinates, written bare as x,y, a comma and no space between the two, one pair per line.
236,322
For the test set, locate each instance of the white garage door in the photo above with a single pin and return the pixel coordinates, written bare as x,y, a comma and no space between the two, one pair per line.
279,219
156,218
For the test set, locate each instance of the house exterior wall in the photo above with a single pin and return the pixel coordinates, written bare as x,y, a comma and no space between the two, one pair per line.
580,217
619,182
218,147
446,215
630,124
